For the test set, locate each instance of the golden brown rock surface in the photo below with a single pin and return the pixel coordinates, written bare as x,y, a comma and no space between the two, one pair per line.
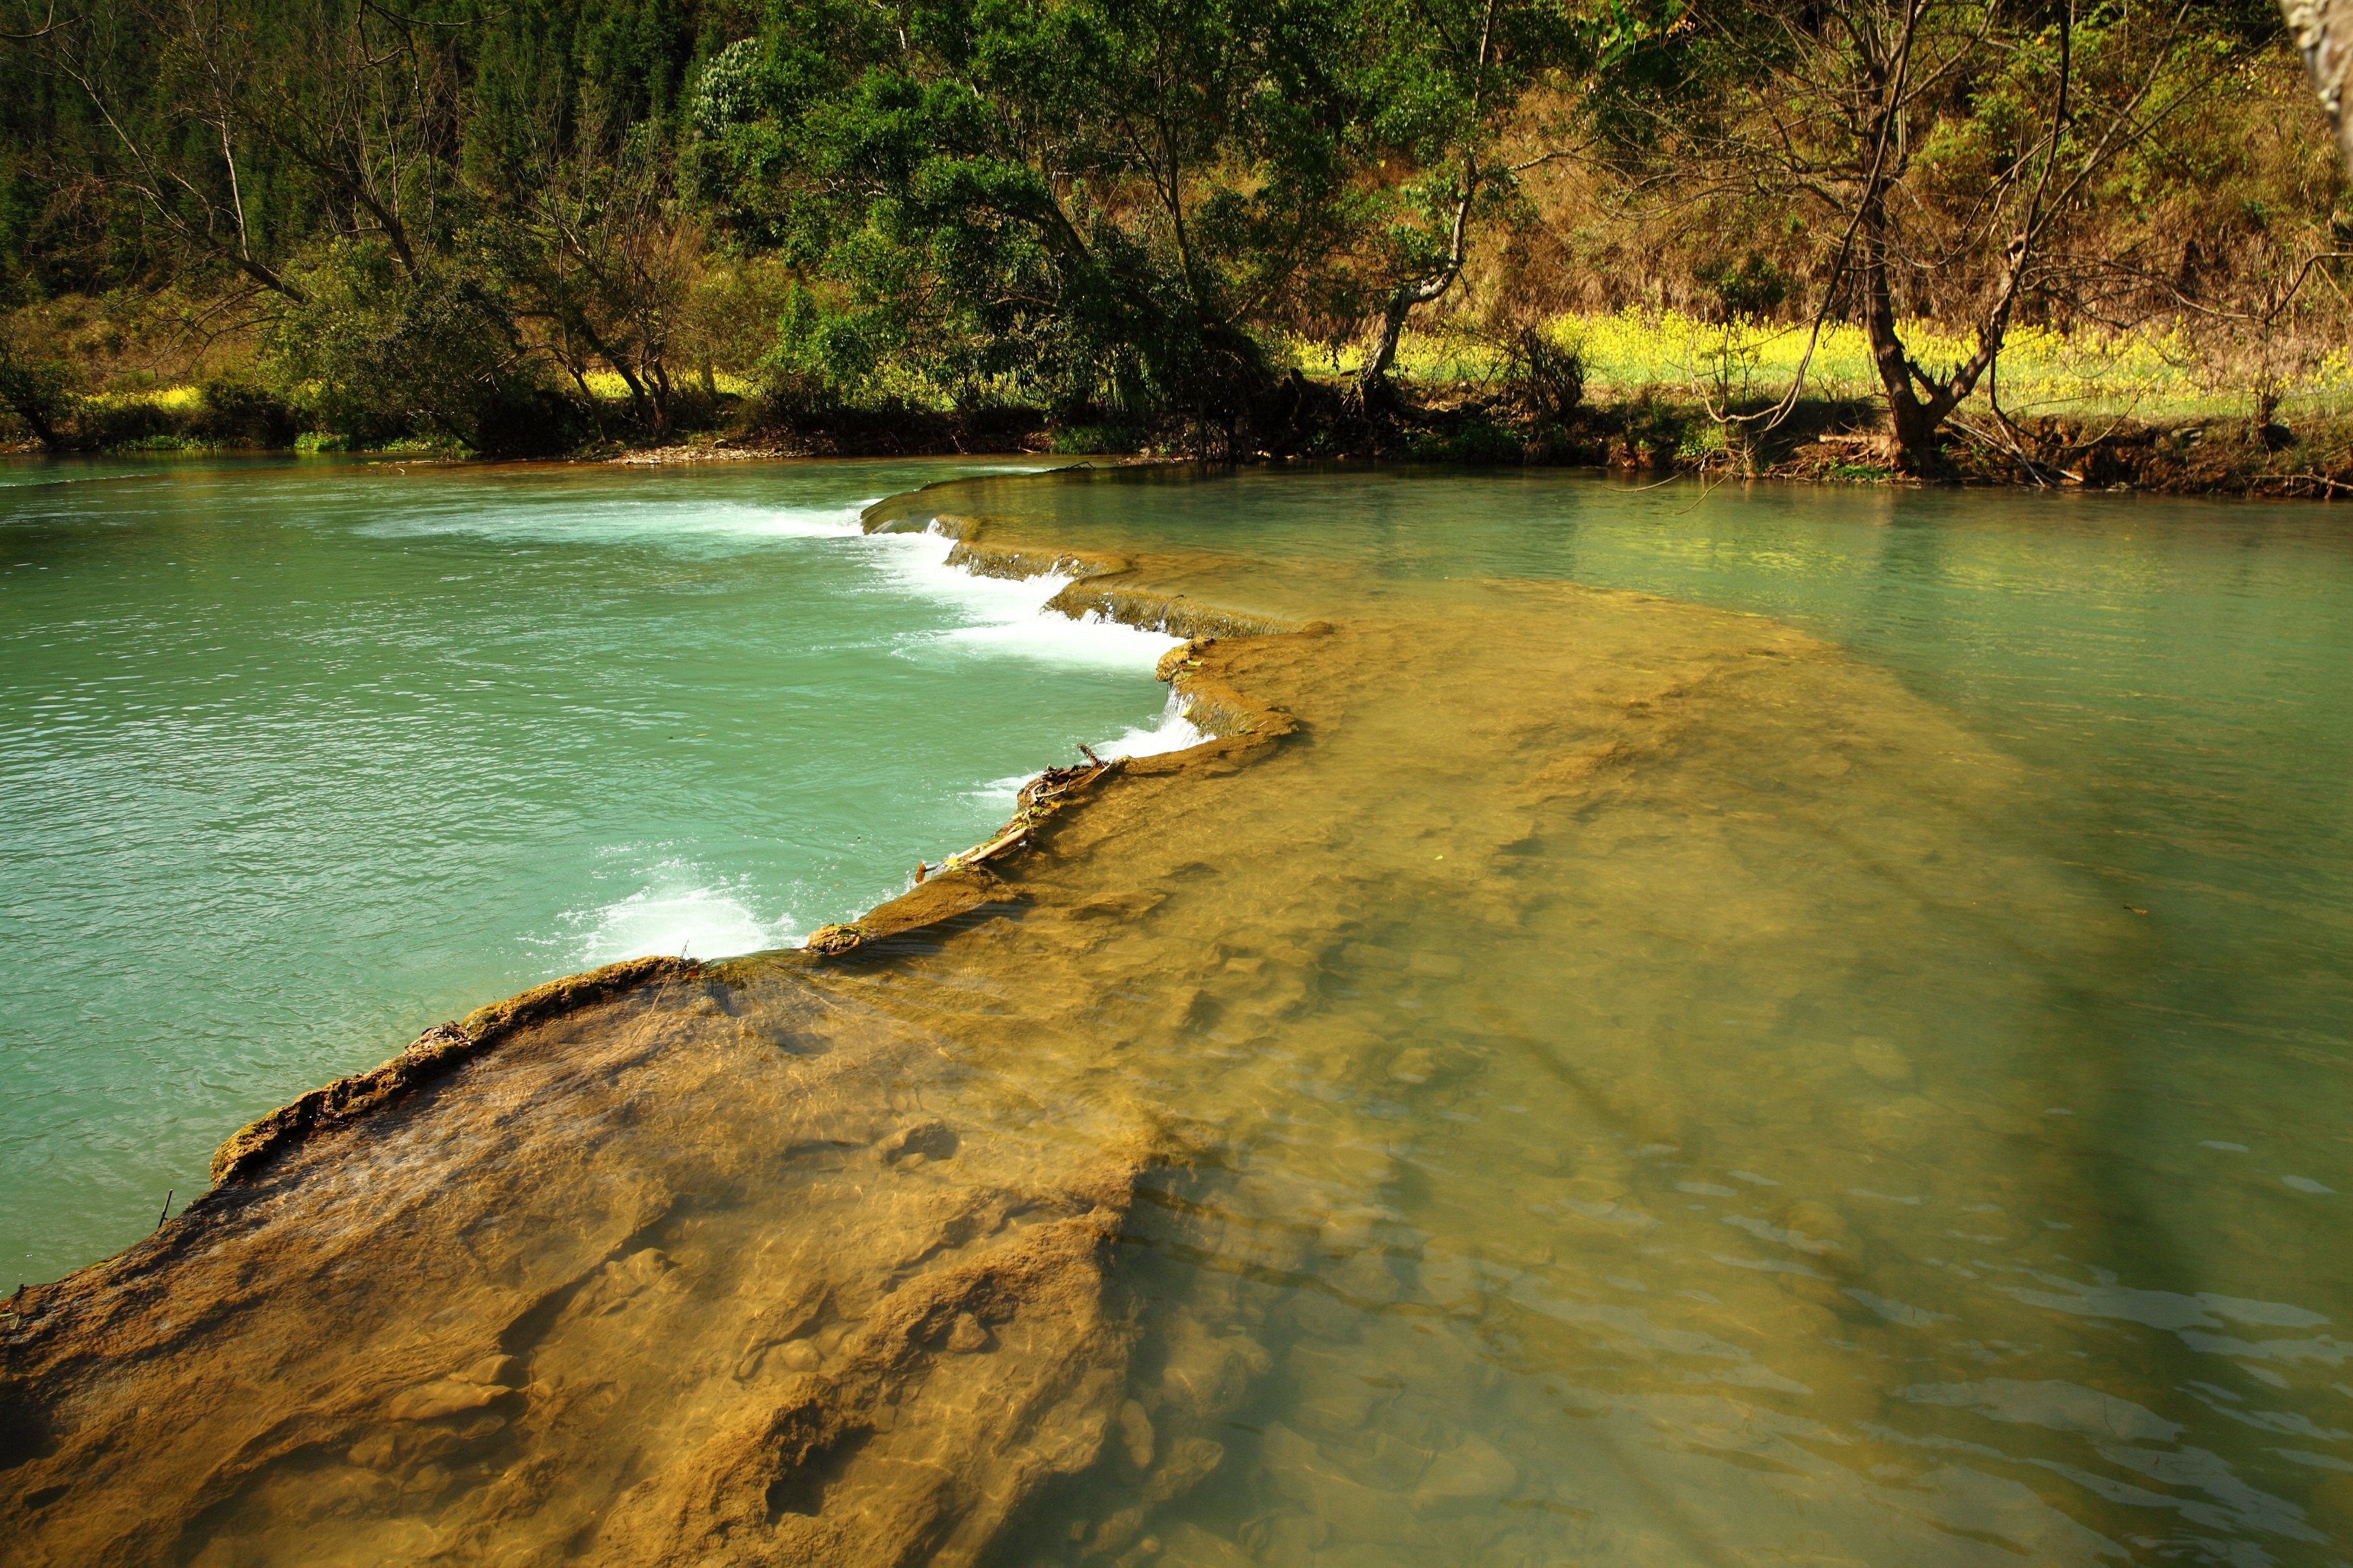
973,1240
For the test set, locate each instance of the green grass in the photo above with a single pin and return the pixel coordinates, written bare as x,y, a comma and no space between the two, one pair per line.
166,444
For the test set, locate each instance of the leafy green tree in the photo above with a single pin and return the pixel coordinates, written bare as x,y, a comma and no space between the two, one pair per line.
1121,209
1444,86
383,354
1089,203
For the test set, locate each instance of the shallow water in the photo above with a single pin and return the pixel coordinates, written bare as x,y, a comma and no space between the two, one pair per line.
299,759
1900,1115
1785,1026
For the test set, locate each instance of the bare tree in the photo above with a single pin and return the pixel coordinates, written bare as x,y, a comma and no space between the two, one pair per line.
1830,105
41,30
599,253
360,97
182,166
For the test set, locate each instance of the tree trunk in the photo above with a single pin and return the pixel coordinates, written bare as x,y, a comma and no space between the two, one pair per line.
37,419
1912,421
2323,30
1375,380
1401,303
33,398
658,383
589,335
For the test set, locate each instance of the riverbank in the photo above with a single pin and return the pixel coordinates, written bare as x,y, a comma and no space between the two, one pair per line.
1586,1030
1635,392
1822,441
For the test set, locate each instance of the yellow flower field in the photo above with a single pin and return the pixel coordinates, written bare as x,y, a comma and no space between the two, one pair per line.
2147,373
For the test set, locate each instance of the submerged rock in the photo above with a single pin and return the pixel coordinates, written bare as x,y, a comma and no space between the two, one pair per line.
1296,1152
533,1310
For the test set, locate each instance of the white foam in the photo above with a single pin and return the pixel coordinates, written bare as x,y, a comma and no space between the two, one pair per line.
920,561
668,917
805,523
1003,793
702,525
1048,638
1174,733
677,908
1007,615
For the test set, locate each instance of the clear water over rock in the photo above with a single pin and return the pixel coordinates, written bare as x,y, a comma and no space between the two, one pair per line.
1670,1027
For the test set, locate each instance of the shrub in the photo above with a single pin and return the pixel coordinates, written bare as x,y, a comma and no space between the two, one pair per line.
1481,440
384,356
1547,375
239,411
129,424
1078,440
38,389
1477,441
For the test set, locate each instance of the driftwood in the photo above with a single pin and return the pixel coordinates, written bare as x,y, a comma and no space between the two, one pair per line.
1039,799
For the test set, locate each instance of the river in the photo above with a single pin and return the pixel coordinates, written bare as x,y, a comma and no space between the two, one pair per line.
1761,1025
301,757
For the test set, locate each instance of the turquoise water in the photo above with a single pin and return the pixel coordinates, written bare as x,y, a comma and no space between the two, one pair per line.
299,759
1904,1117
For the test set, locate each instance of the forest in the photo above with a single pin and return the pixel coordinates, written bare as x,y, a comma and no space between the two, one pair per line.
1301,226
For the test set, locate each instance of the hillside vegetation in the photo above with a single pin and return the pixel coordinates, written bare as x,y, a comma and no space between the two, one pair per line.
1918,235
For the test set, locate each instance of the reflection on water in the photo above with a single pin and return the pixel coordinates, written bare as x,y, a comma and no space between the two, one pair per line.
1632,1078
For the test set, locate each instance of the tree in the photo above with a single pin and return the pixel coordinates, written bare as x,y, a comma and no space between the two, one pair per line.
166,82
37,389
357,98
599,253
241,130
1940,151
383,353
1446,86
1091,202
